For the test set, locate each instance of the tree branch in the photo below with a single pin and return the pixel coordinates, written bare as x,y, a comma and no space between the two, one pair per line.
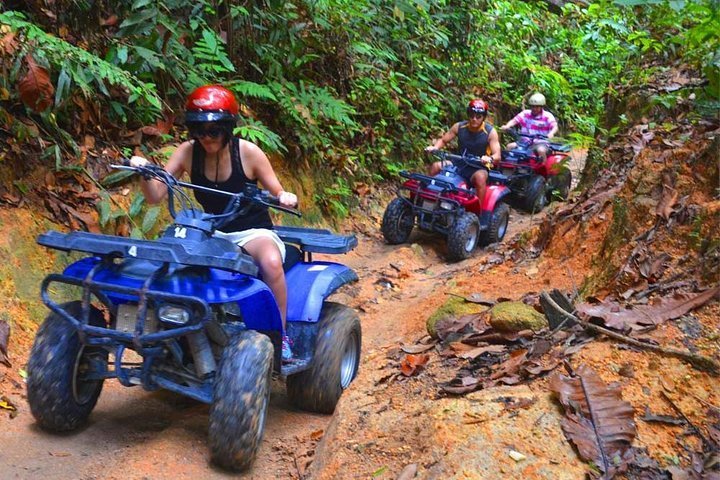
698,361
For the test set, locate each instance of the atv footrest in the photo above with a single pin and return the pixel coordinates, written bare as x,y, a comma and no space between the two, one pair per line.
316,240
294,366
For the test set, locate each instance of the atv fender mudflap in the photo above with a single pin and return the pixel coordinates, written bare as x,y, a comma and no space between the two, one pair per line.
309,284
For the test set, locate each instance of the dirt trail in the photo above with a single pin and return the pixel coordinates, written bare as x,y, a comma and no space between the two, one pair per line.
137,434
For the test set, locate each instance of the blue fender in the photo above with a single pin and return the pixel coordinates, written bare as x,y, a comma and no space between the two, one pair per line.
309,284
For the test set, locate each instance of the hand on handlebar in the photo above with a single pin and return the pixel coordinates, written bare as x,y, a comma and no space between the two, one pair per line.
287,199
138,162
487,161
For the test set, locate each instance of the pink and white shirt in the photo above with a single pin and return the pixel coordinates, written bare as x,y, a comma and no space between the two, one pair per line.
531,125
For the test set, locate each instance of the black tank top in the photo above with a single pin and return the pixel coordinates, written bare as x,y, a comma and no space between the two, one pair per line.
256,217
474,143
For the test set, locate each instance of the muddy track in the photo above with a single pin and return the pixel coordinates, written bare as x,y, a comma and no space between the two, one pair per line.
134,434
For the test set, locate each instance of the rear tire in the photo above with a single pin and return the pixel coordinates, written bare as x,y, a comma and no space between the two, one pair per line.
335,362
498,225
535,195
60,399
240,400
463,237
398,222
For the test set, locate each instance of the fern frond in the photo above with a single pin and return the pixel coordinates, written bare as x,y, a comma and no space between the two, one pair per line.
256,132
244,88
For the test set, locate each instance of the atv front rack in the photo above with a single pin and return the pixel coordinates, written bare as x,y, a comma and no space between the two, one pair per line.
435,184
160,250
444,186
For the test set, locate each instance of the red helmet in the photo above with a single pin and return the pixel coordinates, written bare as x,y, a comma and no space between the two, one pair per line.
477,106
211,103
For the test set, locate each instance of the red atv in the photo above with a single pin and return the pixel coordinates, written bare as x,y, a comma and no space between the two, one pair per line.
445,204
535,182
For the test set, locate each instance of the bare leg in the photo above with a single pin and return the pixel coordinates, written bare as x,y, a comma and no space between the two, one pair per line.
266,254
435,167
512,145
479,179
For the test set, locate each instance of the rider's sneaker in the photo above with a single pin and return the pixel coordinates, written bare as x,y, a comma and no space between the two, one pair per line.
286,350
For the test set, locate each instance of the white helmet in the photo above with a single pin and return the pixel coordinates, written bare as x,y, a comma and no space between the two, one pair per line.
537,100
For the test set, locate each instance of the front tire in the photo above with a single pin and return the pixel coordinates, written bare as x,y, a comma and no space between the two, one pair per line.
498,225
335,363
60,396
463,237
397,222
240,400
559,186
534,200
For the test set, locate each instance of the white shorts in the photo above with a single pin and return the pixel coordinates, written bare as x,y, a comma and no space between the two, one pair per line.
242,238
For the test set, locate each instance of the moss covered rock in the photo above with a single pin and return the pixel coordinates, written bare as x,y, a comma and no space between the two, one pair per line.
453,307
516,316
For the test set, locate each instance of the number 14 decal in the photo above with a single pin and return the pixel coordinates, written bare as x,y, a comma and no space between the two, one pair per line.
180,232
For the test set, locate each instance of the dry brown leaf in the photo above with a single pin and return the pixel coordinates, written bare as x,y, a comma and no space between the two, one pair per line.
418,348
510,366
476,352
412,364
35,88
462,385
668,198
110,21
616,316
598,421
9,43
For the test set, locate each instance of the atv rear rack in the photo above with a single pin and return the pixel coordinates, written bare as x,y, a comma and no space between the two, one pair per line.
314,240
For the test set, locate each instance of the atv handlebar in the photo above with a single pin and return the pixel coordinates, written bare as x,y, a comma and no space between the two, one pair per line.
517,135
239,202
527,139
471,160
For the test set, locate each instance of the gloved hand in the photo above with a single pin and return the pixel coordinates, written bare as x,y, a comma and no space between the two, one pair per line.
136,161
287,199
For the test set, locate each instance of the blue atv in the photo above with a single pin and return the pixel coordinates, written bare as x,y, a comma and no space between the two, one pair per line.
202,323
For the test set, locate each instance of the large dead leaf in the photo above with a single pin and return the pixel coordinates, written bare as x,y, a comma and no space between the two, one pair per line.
35,88
617,316
598,421
4,337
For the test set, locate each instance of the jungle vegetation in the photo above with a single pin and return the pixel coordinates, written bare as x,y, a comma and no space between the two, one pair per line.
358,87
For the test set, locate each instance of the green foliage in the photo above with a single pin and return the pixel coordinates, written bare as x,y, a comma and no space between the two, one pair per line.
213,59
359,87
79,68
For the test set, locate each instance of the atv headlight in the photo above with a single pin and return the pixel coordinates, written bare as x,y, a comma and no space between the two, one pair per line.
173,314
447,205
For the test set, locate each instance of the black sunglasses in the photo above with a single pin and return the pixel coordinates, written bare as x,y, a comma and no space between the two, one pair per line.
475,114
200,132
